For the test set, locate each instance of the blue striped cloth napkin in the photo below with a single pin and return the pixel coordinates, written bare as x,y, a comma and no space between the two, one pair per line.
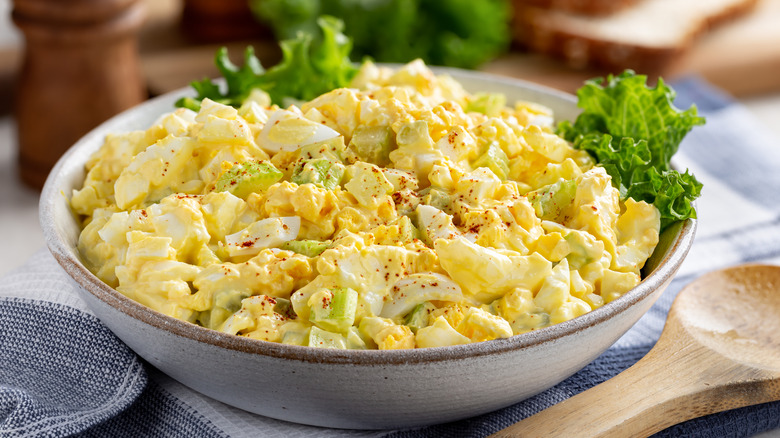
63,373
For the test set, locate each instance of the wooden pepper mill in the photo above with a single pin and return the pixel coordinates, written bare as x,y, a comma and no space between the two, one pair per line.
81,66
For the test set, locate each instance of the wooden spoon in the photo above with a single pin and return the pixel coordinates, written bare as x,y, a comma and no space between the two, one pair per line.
719,350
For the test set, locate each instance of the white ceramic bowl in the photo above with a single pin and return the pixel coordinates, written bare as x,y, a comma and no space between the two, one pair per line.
350,389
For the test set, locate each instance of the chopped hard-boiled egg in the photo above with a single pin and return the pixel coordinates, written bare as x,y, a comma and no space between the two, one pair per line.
400,213
286,130
265,233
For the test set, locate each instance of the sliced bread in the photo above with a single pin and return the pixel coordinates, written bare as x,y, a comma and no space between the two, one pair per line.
646,36
584,7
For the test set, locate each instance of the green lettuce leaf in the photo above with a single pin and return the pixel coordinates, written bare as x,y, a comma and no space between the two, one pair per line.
459,33
305,71
309,69
630,165
633,131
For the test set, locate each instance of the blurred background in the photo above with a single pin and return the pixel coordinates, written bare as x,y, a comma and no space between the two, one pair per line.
67,65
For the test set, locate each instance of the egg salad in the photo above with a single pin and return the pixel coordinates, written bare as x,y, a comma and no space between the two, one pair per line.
401,212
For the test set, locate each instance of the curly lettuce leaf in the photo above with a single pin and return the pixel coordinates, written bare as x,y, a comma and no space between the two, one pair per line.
309,69
633,131
239,81
630,165
459,33
305,71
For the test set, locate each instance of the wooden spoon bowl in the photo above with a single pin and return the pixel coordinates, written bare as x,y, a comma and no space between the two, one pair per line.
719,350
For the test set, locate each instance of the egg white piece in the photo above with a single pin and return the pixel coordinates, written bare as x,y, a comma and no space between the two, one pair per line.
266,233
287,131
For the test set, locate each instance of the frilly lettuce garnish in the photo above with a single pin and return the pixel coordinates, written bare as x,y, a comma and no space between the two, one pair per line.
457,33
305,71
633,131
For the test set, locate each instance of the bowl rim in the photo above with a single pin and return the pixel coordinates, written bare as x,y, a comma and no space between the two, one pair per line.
69,260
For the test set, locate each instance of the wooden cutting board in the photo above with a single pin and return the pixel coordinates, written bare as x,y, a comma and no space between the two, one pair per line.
741,56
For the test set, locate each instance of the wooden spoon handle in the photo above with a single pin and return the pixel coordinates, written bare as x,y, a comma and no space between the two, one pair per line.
655,393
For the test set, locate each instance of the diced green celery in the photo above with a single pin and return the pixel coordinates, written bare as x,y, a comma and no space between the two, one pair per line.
284,307
214,318
436,197
489,104
333,149
309,248
407,230
494,159
356,340
337,313
204,319
373,144
583,249
224,303
418,317
413,134
320,172
530,321
295,333
248,177
552,200
416,233
320,338
230,299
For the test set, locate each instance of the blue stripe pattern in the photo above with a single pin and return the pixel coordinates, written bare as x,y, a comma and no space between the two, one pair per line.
61,370
156,414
